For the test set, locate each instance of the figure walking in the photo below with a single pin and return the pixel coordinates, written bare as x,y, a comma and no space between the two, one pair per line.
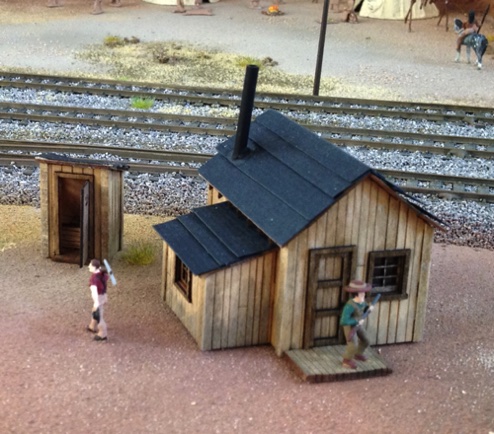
352,319
97,285
471,26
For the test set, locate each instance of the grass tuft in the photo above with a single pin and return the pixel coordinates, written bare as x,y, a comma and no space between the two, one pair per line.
141,103
139,253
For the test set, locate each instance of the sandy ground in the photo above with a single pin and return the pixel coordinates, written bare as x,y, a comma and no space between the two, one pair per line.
150,377
380,54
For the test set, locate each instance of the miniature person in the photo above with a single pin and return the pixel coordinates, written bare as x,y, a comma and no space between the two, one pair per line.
354,309
97,285
471,26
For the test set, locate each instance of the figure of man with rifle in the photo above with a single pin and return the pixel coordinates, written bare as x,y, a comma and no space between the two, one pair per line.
352,318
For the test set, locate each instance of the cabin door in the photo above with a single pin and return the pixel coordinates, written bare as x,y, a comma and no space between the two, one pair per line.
330,269
84,248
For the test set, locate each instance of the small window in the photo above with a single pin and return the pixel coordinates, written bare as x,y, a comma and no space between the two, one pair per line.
183,279
388,273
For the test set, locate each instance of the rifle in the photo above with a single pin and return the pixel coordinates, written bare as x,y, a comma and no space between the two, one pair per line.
364,316
110,272
483,18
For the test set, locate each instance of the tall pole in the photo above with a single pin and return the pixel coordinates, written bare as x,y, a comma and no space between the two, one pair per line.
320,50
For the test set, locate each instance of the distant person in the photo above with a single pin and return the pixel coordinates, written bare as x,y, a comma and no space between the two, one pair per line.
97,9
469,27
97,285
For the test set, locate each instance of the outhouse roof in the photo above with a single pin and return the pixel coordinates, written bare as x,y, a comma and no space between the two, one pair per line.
213,237
54,158
286,177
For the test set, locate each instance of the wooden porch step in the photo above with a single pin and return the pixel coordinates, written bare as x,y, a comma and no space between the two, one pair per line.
323,364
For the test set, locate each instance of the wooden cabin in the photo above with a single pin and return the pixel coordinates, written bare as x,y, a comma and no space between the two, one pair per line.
81,208
287,226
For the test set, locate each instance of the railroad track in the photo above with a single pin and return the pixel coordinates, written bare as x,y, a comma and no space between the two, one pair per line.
445,186
479,116
460,146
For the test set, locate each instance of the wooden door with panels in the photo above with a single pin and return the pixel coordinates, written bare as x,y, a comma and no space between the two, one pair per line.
330,269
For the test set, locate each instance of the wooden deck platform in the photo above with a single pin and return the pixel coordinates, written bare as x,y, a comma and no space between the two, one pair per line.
323,364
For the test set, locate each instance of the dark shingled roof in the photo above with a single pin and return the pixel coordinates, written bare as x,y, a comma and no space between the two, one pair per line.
213,237
63,159
287,178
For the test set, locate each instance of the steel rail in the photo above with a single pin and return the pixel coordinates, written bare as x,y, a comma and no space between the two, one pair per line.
445,186
224,97
460,146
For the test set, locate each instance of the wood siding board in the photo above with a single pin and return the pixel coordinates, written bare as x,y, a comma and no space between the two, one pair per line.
300,289
368,246
243,300
423,284
250,314
357,193
379,320
284,297
219,303
391,244
341,220
226,307
349,217
257,300
401,244
414,242
104,226
363,231
164,266
290,290
234,306
209,291
44,208
267,297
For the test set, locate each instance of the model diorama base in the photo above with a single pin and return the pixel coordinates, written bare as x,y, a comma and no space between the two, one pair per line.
324,364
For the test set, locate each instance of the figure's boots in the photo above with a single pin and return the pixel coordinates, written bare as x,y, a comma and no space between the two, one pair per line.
457,58
97,8
349,363
116,3
53,3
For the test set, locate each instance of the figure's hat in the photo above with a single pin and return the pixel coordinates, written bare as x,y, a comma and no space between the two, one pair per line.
358,286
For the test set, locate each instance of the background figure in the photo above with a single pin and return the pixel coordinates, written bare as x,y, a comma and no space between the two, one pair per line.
97,285
471,26
97,9
351,317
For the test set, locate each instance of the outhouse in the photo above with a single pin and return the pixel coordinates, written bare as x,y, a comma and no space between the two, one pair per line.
81,204
288,224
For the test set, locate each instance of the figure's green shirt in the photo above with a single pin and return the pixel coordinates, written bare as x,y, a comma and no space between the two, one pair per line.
352,312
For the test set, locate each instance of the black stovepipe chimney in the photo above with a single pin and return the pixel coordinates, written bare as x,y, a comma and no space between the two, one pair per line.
246,107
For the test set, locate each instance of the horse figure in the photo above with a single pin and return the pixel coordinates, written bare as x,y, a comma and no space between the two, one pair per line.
474,40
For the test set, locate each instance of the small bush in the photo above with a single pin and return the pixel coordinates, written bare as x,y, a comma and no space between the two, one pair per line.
113,41
245,60
139,253
141,103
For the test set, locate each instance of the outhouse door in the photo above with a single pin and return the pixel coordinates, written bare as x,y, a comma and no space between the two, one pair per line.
330,269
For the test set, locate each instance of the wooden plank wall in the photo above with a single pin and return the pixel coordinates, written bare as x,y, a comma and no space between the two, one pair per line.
237,304
371,218
191,314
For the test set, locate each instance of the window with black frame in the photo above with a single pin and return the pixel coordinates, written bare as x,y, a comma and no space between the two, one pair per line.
388,273
183,279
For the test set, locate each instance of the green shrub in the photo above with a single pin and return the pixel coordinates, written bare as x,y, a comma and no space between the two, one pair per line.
141,103
139,253
113,41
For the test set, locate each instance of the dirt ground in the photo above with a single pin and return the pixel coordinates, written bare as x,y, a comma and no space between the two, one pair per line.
150,377
371,59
